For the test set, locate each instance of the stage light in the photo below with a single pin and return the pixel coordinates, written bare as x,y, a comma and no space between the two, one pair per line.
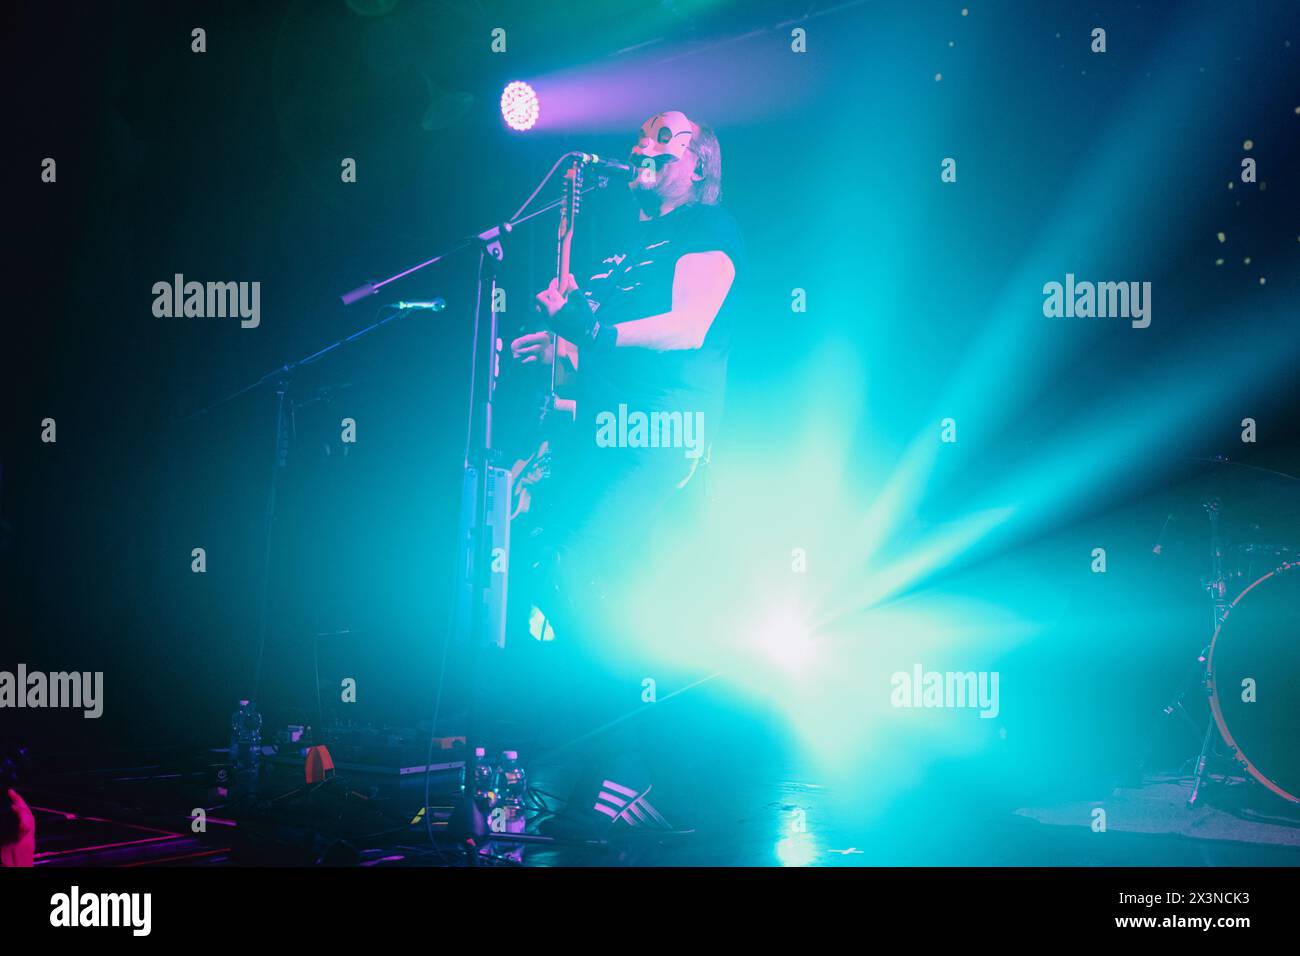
797,850
785,640
519,106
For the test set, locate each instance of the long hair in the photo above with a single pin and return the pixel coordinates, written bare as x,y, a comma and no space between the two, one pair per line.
705,144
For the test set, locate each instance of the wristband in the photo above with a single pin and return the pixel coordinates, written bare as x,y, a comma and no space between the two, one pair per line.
604,337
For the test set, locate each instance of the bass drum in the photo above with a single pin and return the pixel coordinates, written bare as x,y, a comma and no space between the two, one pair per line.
1254,680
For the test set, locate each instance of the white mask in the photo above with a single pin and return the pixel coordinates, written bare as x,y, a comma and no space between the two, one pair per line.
664,138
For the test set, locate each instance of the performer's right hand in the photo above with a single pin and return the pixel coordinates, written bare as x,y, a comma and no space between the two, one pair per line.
533,347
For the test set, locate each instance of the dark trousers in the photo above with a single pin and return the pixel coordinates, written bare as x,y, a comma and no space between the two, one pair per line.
586,576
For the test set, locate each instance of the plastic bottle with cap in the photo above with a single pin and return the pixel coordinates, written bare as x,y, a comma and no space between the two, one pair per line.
484,775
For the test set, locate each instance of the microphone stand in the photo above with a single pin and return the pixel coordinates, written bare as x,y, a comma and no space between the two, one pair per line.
467,823
282,378
486,239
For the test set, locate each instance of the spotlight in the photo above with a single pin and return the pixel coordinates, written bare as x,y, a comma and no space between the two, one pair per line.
519,107
786,642
797,850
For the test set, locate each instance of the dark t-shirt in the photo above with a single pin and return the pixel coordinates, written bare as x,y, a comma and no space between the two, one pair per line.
635,282
613,481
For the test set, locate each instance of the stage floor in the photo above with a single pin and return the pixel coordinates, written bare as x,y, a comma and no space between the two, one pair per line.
775,817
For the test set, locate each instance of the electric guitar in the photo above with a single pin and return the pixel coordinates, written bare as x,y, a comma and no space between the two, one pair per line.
528,473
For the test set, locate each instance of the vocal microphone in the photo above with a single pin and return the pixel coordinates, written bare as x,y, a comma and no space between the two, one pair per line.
437,305
605,164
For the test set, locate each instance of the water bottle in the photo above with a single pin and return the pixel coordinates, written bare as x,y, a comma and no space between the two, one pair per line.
484,774
510,785
507,809
246,743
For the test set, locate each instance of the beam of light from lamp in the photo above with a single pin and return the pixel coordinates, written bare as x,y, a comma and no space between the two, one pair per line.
1089,223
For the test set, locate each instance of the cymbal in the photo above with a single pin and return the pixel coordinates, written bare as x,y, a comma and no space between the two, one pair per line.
1255,504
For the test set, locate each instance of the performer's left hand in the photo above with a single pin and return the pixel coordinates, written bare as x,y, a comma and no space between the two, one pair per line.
571,317
553,299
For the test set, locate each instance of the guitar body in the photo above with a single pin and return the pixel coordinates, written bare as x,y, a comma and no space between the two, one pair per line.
525,474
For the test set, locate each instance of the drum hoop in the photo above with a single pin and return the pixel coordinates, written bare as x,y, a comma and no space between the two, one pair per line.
1238,754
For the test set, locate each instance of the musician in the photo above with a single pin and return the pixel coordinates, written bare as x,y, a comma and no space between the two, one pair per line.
649,332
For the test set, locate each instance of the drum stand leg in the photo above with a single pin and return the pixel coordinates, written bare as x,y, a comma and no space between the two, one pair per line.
1194,676
1200,766
1216,588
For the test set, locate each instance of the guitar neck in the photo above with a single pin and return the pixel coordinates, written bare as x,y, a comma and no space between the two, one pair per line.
568,214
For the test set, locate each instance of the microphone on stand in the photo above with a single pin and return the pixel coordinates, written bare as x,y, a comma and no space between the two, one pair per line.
607,165
437,305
